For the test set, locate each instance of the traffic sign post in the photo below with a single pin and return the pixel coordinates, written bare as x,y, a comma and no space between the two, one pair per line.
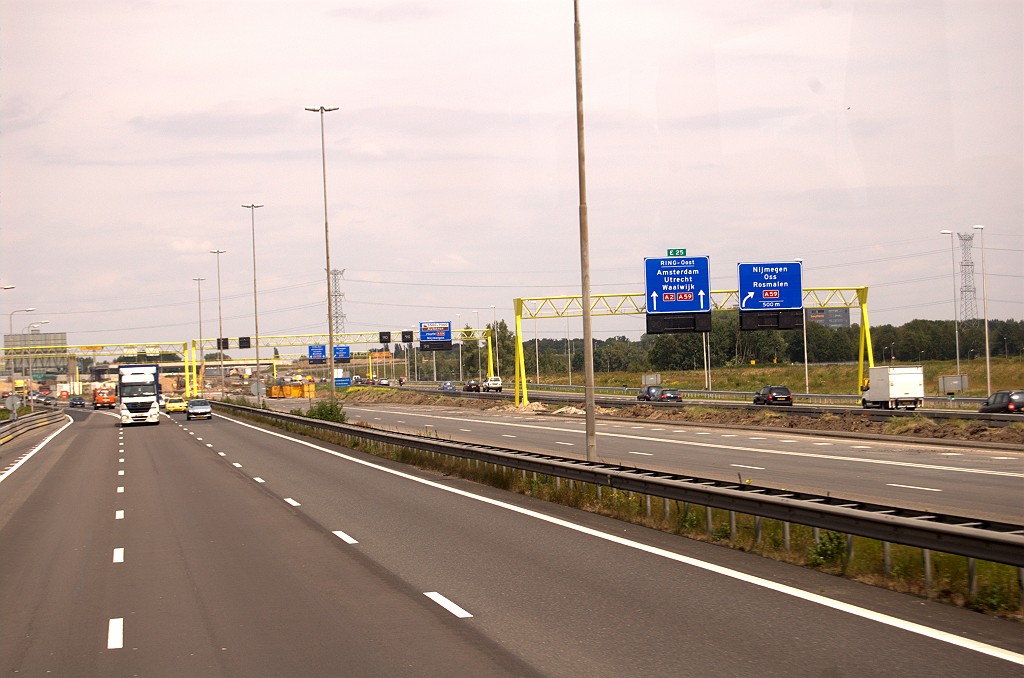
678,294
775,286
317,354
436,336
677,284
771,296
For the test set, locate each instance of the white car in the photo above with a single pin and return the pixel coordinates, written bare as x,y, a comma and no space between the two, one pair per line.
383,381
492,384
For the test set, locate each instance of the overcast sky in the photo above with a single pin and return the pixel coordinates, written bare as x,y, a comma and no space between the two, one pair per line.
844,133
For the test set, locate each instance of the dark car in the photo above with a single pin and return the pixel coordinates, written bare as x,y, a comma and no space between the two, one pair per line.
773,395
472,385
1010,402
447,386
48,400
77,401
669,395
649,393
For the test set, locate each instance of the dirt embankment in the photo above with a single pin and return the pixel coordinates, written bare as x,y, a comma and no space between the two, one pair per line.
918,426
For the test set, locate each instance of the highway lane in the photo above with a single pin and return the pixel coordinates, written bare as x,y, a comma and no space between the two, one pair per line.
252,552
180,566
976,482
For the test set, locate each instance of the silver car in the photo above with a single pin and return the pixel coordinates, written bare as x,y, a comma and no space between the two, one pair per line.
198,408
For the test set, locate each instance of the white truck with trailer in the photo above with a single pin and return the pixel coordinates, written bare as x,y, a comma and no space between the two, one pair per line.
138,394
890,388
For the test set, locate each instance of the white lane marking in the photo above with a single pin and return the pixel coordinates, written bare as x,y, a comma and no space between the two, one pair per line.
223,454
236,464
120,490
119,515
119,555
121,472
344,537
657,429
728,435
679,430
636,426
785,453
209,444
198,438
785,589
559,442
643,454
756,468
120,444
757,438
703,433
822,444
292,501
507,435
913,487
787,441
258,479
191,433
120,461
861,447
448,605
951,454
1002,458
115,634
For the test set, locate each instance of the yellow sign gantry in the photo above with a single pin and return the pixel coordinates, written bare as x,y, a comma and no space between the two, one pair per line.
634,303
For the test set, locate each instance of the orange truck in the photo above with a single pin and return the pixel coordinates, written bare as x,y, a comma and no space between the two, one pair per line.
103,397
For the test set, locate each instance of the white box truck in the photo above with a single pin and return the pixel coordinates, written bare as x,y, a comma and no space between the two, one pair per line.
890,388
138,394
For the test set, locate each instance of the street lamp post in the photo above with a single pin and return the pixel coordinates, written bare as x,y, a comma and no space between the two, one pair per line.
220,323
202,356
479,368
956,310
494,334
327,248
252,207
458,321
803,323
984,301
588,332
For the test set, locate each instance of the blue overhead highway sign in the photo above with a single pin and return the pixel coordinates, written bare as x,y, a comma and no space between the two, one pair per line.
677,284
773,286
317,354
342,352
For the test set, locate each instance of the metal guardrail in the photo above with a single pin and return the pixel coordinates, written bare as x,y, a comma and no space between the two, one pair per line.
13,428
974,538
940,402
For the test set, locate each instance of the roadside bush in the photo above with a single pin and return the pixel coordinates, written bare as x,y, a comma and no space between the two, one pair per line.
328,411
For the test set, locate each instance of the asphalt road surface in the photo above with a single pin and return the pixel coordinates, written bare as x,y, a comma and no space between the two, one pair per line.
976,482
217,548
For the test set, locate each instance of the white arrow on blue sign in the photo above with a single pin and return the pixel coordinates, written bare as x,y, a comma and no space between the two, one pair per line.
774,286
677,284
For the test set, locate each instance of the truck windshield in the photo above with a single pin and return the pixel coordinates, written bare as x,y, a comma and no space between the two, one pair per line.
137,390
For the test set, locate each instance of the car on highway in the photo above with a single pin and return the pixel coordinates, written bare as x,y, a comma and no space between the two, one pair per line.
198,408
773,395
492,384
383,381
77,401
1010,402
447,386
48,400
669,395
471,385
648,393
175,404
